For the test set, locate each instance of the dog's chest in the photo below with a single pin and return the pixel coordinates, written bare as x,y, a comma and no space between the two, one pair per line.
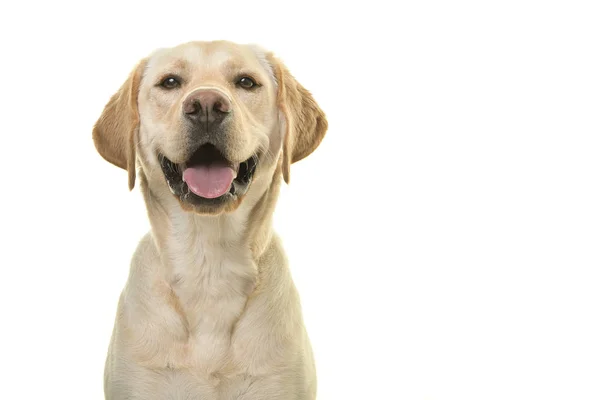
208,298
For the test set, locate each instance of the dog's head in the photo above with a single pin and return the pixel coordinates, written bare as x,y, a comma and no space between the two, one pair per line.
205,119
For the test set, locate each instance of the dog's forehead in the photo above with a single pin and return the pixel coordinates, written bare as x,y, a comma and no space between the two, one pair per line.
220,55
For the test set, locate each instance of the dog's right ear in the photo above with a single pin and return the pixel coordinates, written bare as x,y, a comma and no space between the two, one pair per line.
116,131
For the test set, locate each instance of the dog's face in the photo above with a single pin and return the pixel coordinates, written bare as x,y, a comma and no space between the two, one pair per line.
207,117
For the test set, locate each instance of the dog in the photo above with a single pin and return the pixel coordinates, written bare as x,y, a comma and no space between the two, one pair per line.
209,310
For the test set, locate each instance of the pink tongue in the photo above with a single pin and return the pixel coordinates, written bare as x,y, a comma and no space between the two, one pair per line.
209,181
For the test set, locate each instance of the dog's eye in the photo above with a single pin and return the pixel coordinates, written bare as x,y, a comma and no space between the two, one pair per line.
170,82
246,82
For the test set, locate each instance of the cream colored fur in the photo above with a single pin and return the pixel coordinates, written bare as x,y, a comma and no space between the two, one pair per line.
209,310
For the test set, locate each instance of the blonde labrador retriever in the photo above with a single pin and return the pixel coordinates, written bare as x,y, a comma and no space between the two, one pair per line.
209,310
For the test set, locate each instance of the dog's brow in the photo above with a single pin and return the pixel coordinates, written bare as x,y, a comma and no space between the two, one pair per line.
233,65
177,65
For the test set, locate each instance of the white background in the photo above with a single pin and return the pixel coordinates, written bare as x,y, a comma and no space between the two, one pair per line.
444,237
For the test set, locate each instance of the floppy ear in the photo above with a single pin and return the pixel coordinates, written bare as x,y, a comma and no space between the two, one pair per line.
305,122
115,133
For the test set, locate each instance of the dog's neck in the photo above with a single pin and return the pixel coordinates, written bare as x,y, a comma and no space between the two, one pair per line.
187,241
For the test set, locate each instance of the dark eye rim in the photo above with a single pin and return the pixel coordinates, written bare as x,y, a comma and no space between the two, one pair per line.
254,83
163,82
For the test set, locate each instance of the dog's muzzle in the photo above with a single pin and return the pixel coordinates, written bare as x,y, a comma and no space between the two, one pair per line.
208,178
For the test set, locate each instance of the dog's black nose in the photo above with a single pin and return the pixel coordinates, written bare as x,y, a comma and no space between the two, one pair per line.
206,106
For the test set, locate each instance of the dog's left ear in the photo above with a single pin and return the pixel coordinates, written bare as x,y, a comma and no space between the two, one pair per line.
305,122
116,131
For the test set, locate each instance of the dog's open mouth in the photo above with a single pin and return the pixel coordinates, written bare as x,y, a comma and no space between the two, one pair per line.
208,176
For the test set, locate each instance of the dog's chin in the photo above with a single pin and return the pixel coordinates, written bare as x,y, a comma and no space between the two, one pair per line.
199,184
